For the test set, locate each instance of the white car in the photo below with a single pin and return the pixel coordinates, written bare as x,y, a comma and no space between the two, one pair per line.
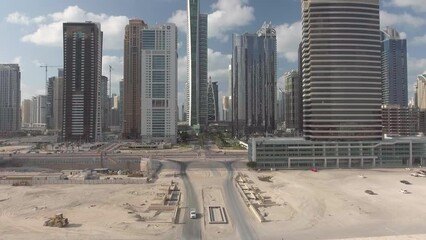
192,213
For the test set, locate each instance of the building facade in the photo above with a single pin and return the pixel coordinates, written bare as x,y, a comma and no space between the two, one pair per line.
58,103
132,80
288,153
196,85
293,101
394,68
420,93
82,81
342,91
159,84
25,112
10,99
212,99
254,79
105,104
400,121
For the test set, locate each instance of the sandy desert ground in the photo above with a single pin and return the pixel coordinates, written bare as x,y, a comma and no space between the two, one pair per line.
332,204
329,204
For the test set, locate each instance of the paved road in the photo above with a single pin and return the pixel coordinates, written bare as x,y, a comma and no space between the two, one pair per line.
192,227
236,207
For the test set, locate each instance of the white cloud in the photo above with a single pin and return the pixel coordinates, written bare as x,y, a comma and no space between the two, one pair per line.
50,34
182,69
18,18
419,40
17,60
229,15
404,19
416,5
180,18
288,39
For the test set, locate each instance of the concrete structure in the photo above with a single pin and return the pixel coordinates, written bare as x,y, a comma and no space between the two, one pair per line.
10,99
82,81
400,121
283,153
105,104
293,101
254,79
394,68
58,103
38,111
213,103
120,104
49,103
420,94
280,108
25,113
132,80
159,84
196,85
226,108
341,54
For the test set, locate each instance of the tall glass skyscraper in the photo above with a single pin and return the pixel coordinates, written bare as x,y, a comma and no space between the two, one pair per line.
82,81
394,68
10,99
254,79
341,53
159,84
196,85
131,95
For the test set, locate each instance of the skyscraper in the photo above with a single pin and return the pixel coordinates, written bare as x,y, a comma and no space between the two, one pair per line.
120,104
132,80
25,113
10,99
105,103
49,103
342,92
58,102
394,68
82,82
212,99
196,85
293,101
254,77
159,83
420,94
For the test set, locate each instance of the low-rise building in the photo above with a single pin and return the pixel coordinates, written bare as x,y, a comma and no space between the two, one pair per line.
287,153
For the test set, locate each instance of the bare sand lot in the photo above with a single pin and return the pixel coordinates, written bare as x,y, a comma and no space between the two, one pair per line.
328,204
332,204
94,212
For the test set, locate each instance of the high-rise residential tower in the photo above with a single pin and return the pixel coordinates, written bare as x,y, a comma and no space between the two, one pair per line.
254,78
420,94
394,68
293,101
25,112
58,102
10,99
159,83
212,99
196,85
132,80
341,51
82,80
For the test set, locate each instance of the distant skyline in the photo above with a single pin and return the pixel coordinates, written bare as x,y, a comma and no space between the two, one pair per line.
32,33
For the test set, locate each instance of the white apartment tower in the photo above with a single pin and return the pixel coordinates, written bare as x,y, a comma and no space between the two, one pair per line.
159,83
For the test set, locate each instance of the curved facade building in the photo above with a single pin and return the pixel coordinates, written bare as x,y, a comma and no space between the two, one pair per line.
341,62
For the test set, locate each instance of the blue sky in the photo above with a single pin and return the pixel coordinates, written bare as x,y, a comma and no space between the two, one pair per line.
31,32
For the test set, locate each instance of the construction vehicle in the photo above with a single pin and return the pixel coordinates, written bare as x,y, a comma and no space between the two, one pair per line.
57,221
